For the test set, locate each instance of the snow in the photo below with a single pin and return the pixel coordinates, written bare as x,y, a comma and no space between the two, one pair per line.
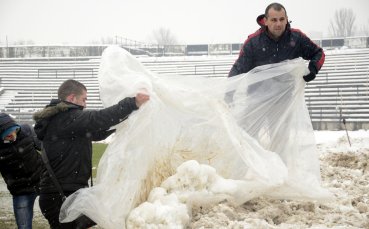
345,172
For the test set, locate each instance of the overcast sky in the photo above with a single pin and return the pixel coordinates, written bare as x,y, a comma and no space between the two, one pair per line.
191,21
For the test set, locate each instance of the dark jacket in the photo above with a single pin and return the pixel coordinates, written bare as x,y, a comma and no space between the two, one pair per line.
20,162
67,132
260,49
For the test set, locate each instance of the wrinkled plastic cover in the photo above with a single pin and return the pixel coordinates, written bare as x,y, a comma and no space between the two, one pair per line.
253,127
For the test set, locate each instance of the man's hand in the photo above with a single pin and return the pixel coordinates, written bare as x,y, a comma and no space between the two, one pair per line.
141,98
309,77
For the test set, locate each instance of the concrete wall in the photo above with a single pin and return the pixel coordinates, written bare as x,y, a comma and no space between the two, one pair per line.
323,125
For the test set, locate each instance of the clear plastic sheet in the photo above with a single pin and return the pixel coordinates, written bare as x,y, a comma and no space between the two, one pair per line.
253,128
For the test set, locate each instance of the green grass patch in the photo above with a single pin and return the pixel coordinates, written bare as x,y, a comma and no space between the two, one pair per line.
98,150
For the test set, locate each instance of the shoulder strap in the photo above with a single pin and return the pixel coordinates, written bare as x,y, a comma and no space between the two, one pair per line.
51,172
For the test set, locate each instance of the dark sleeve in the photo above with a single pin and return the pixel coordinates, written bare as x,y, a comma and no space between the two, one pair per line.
244,63
29,131
36,141
101,135
31,158
312,52
90,121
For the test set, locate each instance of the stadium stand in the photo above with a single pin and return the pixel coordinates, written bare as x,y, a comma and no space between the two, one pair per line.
340,91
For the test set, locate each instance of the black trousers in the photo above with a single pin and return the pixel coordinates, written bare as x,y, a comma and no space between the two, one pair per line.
50,205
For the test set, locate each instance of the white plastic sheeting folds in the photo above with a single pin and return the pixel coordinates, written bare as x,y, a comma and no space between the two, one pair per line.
262,136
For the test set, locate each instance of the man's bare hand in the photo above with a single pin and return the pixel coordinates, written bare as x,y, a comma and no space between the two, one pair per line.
141,98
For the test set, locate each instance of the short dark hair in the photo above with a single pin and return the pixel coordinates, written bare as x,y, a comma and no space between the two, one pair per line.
276,6
69,87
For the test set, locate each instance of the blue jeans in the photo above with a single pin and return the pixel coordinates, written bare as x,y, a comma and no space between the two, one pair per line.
23,210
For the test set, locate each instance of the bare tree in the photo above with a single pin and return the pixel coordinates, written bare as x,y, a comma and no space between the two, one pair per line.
364,30
165,40
163,36
107,40
342,24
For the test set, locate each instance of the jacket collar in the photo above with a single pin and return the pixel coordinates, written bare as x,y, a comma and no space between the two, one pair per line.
54,107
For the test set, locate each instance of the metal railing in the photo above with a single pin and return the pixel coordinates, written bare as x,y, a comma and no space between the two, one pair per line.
72,71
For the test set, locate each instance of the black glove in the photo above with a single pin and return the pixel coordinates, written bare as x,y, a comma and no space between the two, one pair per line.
309,77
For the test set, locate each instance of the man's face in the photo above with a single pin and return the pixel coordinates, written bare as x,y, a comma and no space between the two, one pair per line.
276,22
79,99
11,137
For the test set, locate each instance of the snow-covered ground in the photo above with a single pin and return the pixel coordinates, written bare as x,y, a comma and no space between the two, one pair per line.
345,172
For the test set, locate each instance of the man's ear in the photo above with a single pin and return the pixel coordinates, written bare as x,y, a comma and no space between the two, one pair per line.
70,98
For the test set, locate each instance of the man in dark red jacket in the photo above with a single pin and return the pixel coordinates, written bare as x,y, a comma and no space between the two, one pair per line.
276,41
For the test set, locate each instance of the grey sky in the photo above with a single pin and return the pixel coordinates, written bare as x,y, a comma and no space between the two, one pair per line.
191,21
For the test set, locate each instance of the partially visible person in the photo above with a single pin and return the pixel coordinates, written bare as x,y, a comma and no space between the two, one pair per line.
276,41
20,166
67,132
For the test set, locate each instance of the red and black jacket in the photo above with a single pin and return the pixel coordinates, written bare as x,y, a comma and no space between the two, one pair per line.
260,49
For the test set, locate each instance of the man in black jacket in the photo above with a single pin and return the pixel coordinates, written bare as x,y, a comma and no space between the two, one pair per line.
67,132
276,41
20,166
